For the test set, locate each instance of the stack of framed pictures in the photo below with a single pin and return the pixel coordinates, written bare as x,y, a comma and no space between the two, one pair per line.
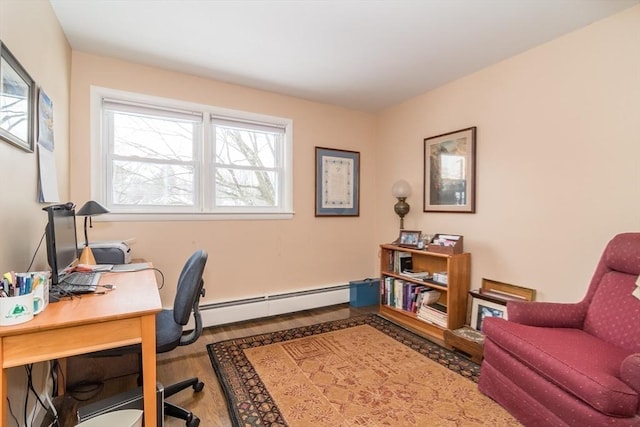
491,300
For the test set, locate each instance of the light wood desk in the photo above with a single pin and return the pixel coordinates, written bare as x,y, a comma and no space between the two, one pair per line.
90,323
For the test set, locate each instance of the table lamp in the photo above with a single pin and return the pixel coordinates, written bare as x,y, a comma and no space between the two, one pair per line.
401,190
89,209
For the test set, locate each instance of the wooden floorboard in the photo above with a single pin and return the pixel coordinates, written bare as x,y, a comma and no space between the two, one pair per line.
193,360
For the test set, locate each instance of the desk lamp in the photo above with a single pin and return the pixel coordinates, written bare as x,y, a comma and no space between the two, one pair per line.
89,209
401,190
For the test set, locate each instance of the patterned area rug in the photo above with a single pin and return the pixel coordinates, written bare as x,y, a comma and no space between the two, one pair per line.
362,371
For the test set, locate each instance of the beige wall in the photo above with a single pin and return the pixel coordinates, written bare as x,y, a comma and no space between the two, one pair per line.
246,258
558,167
32,33
558,160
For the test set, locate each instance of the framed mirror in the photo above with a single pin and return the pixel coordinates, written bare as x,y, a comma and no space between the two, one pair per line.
17,102
449,172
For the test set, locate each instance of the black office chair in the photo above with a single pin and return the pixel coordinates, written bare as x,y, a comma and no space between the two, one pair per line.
170,325
169,335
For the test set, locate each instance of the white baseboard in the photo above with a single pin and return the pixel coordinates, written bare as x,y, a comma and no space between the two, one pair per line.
220,313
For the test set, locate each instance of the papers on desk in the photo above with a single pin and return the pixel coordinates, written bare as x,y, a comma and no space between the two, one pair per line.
89,268
114,268
121,268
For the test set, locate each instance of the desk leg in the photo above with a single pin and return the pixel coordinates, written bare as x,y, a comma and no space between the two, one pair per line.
149,369
3,390
62,376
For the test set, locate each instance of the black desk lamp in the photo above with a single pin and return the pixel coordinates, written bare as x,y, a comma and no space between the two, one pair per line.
89,209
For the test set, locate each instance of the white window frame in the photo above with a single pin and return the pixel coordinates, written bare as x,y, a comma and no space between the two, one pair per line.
206,209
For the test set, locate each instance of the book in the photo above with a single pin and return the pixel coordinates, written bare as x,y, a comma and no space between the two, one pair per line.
441,277
435,313
417,275
404,262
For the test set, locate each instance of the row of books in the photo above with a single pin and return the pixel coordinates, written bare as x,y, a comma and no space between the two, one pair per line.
401,261
406,295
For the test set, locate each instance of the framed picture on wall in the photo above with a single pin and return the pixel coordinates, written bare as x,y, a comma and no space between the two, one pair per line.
449,172
17,102
337,182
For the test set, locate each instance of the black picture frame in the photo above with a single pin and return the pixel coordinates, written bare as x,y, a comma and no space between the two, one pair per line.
450,171
337,182
481,308
17,102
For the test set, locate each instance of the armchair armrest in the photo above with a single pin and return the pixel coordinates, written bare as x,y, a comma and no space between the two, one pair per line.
630,371
547,314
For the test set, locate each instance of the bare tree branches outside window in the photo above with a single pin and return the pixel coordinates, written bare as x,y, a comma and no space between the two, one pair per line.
159,159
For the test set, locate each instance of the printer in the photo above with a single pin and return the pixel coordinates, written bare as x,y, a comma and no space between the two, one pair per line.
110,252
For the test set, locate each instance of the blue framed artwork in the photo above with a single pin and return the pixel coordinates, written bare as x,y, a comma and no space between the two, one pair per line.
337,182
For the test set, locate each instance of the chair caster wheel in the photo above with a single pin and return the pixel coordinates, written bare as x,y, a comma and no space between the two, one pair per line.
198,386
195,422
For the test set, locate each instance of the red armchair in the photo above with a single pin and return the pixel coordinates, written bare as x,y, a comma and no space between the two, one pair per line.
556,364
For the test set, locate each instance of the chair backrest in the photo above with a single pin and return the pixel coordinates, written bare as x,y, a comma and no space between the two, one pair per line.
613,311
189,290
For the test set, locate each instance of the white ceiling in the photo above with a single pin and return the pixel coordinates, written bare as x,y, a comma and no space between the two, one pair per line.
360,54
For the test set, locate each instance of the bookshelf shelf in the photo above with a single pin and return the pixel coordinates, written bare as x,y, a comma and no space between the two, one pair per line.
400,292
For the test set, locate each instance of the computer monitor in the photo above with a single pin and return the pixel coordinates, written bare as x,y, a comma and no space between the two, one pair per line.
62,242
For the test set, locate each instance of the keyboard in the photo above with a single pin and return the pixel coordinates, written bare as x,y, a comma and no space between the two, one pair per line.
80,283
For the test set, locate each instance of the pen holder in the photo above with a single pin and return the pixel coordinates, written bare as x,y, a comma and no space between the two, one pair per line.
15,310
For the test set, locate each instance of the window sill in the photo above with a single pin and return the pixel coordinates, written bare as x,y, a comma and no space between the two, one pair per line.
162,217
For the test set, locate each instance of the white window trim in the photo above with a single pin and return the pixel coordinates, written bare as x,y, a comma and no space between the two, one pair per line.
98,184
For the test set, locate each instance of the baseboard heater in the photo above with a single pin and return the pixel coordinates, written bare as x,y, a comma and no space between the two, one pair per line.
271,305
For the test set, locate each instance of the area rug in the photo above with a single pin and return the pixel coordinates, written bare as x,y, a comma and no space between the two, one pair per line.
362,371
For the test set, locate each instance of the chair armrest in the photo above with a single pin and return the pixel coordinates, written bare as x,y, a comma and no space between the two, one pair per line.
630,371
547,314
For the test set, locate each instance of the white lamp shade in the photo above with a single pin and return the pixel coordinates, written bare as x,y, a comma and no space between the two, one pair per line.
401,188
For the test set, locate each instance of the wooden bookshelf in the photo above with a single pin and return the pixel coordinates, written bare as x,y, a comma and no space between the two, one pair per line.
453,294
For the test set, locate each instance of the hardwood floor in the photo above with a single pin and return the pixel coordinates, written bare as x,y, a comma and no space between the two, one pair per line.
184,362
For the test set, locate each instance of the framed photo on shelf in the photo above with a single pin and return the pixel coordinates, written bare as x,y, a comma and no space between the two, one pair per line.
17,102
409,238
449,172
481,308
337,182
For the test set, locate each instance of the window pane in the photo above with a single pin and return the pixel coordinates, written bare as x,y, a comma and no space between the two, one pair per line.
237,147
242,187
137,183
151,137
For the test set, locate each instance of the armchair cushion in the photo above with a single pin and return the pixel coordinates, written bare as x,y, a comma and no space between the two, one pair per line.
630,371
558,355
613,313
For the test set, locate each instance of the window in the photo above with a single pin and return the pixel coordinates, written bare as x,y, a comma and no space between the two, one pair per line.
167,157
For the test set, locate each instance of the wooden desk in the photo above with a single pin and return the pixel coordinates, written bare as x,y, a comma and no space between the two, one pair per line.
90,323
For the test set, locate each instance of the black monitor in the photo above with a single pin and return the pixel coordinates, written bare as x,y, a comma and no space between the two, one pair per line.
62,242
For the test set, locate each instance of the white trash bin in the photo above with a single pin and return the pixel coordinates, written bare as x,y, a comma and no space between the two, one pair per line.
123,418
